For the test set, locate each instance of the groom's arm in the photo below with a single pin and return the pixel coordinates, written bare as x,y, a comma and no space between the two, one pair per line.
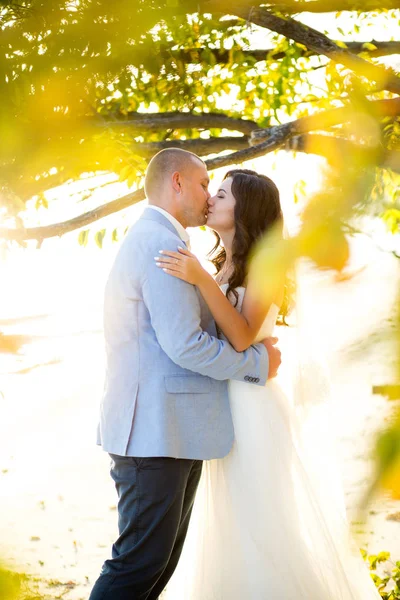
174,310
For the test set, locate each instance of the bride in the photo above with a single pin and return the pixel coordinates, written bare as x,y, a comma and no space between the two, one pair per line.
263,526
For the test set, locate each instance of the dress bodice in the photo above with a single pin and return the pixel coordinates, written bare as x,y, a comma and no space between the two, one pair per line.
267,327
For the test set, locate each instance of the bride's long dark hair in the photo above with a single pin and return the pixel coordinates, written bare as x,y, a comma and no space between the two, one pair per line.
257,209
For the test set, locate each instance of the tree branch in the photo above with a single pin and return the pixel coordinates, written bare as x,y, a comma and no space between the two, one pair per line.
327,118
336,149
314,6
318,43
382,48
175,120
58,229
323,6
223,56
202,147
139,123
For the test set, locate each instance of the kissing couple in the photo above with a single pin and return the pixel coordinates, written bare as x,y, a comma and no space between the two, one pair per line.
190,404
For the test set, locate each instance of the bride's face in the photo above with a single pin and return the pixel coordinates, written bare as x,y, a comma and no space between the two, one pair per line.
221,209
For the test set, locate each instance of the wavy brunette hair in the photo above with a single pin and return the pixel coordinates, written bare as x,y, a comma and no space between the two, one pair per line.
257,210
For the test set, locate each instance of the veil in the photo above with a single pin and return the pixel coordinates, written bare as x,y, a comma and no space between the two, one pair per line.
316,440
313,405
310,390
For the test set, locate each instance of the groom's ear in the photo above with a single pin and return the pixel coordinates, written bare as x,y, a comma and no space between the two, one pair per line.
176,182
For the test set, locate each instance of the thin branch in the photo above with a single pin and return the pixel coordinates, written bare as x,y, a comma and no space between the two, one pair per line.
58,229
336,149
323,6
326,119
139,123
317,42
314,6
274,142
202,147
223,56
175,120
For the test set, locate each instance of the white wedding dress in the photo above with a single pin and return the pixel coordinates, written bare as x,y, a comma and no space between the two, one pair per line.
262,526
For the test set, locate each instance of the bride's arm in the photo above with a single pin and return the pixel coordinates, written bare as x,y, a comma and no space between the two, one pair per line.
240,329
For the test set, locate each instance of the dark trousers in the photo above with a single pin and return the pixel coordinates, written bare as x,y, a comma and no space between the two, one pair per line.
156,497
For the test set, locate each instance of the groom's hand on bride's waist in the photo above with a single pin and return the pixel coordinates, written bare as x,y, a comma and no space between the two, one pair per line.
274,355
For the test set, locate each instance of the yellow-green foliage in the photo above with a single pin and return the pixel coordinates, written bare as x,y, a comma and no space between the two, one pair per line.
10,585
385,574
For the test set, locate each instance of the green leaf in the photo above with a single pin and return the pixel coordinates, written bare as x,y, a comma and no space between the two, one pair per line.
383,556
369,46
124,173
41,201
83,237
132,178
99,236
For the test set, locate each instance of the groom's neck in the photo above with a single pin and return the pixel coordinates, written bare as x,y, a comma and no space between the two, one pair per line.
170,210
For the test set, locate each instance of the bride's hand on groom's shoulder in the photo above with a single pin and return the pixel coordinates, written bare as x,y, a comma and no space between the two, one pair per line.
183,265
274,355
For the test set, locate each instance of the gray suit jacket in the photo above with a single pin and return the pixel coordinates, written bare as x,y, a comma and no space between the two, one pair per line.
166,376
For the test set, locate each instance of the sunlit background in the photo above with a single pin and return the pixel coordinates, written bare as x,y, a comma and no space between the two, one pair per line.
56,499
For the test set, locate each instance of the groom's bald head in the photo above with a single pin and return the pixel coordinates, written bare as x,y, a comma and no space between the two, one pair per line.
163,165
177,181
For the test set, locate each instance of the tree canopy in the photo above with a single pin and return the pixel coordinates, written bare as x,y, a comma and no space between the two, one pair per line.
92,87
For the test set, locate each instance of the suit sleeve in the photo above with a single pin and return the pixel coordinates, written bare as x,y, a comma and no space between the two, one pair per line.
174,310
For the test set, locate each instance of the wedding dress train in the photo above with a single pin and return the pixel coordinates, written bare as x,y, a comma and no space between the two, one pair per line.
262,526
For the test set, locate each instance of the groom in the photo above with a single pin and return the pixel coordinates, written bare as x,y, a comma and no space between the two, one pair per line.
165,406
